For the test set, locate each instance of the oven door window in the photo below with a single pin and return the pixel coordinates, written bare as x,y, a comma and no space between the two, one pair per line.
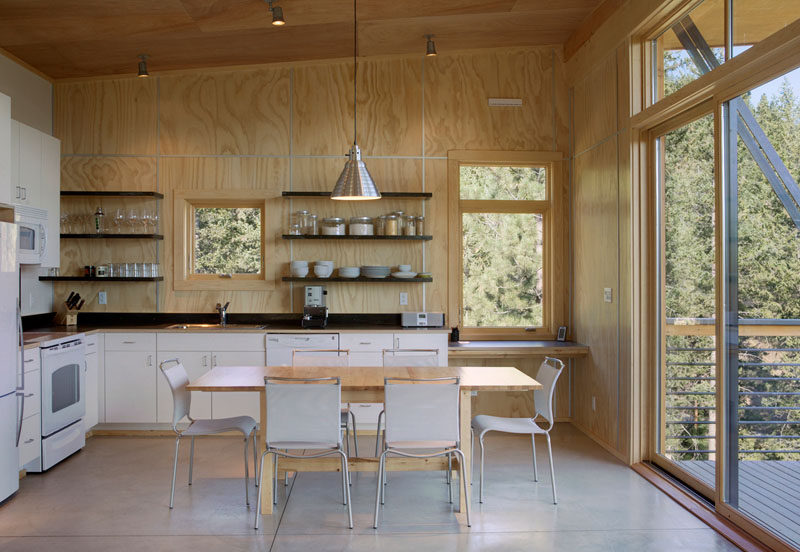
27,238
65,387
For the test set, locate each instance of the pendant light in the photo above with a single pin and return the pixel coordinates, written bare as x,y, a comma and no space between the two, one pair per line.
430,49
355,183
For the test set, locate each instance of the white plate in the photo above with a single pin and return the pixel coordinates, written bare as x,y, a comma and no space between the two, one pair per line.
404,274
375,276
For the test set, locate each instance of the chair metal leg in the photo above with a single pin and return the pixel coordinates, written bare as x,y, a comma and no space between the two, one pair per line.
450,476
255,459
355,432
246,475
533,446
174,472
463,470
480,492
347,437
275,480
552,473
471,456
379,489
378,433
346,488
258,502
191,461
285,475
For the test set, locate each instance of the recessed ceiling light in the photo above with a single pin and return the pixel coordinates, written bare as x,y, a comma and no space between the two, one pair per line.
143,66
277,15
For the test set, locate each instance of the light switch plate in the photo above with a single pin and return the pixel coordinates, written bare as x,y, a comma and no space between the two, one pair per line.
403,298
607,295
101,297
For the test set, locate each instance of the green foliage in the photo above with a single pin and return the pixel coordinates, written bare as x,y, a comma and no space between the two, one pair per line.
227,240
502,252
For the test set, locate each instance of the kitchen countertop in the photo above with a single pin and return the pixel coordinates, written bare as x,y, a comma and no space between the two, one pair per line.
516,348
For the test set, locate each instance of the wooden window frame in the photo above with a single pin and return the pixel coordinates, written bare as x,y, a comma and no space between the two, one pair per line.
550,209
184,279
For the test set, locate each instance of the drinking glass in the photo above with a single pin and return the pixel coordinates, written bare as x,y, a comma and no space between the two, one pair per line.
154,220
119,219
147,218
133,219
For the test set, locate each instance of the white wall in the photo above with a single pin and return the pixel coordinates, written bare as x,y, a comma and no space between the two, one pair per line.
32,104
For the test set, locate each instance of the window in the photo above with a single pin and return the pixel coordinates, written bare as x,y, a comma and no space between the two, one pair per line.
220,241
501,242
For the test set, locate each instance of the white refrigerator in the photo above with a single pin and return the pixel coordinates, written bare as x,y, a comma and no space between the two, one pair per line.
11,404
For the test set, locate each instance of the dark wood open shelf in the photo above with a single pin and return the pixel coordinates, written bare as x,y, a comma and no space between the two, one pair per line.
387,195
387,280
82,193
114,236
100,279
349,237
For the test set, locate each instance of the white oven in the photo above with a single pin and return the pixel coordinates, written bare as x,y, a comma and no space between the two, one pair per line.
63,384
32,232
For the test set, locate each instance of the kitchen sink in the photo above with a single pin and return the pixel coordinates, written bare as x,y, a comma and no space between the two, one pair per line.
217,327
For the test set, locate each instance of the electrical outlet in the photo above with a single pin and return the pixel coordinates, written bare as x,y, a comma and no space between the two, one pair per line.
607,295
403,298
594,404
101,297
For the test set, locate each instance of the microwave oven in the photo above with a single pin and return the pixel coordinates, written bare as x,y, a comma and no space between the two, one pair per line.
32,231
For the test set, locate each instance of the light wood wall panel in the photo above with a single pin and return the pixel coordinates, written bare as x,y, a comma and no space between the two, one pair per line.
236,113
109,174
595,104
106,116
322,109
436,223
457,89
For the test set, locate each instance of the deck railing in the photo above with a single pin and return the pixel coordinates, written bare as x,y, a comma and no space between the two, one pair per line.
769,390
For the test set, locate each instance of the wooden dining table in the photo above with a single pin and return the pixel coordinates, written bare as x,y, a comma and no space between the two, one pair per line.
364,384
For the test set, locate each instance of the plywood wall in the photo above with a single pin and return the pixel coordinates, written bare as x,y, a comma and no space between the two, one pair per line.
285,127
601,250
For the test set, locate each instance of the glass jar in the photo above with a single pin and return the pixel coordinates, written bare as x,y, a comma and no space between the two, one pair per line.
311,227
333,226
380,225
295,230
361,226
409,225
420,225
392,226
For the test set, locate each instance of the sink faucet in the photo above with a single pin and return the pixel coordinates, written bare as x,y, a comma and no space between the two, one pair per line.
223,313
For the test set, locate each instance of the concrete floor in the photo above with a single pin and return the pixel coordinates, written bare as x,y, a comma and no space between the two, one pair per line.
115,494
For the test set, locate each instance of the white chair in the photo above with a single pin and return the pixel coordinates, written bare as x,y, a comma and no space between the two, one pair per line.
421,414
182,400
405,357
548,374
304,413
330,357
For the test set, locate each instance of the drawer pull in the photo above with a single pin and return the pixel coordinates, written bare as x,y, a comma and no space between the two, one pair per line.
365,405
29,441
365,342
129,342
29,360
28,396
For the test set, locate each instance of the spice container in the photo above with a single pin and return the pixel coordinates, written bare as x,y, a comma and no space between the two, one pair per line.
361,226
409,225
420,225
380,225
333,226
392,226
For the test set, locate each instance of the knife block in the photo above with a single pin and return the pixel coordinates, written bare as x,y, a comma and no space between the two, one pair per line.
71,319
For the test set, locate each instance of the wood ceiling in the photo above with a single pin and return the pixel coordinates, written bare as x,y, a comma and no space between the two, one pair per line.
86,38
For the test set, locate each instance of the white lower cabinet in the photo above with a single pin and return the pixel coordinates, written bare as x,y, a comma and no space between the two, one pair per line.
196,365
226,404
95,394
422,340
30,438
130,378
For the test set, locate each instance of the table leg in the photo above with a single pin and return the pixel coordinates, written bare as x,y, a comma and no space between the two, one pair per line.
466,423
266,480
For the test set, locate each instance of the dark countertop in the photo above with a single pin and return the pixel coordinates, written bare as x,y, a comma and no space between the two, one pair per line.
517,348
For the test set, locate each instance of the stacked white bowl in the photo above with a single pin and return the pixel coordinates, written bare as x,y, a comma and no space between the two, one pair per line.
349,271
299,269
323,269
375,271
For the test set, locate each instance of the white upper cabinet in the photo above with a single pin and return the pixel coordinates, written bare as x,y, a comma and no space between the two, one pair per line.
49,198
30,165
6,195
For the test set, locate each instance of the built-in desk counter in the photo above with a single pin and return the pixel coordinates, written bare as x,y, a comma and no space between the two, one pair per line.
512,349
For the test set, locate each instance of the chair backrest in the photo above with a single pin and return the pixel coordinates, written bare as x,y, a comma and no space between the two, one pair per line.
411,357
548,374
320,357
422,409
303,410
177,379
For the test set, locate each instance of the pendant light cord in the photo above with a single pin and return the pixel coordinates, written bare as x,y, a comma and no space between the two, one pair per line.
355,74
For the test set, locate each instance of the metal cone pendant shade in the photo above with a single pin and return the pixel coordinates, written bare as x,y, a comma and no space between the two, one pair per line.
355,183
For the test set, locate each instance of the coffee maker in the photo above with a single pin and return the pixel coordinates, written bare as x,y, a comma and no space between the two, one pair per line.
315,313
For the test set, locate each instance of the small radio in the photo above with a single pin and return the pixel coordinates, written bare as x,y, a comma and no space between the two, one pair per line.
425,319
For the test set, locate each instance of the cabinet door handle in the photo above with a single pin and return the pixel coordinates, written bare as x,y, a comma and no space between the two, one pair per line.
29,441
213,360
365,342
24,193
129,342
150,360
28,395
29,360
19,192
205,361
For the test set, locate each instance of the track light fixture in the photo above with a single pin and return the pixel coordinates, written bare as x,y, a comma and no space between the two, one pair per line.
143,66
277,15
431,46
